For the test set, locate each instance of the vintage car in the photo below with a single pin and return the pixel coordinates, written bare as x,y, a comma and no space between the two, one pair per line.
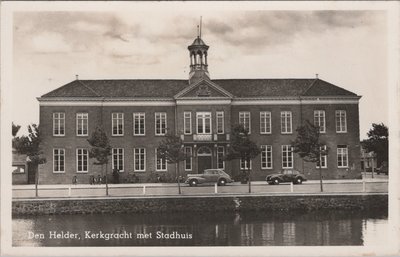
383,168
209,176
286,176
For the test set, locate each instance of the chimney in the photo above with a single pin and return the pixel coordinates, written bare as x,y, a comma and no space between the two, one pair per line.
77,77
316,75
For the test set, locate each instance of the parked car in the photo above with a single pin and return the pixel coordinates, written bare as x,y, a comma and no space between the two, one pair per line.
383,169
209,176
286,176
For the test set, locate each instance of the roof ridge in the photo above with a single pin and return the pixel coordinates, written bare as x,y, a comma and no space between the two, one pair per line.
91,89
312,84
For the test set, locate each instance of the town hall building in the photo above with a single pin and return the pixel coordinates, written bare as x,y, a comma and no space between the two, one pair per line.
136,115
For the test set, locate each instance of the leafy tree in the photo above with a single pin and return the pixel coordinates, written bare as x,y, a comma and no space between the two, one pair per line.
171,149
15,129
378,142
100,150
242,148
30,146
309,147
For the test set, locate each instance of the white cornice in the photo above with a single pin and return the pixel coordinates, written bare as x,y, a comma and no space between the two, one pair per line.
90,101
296,100
204,102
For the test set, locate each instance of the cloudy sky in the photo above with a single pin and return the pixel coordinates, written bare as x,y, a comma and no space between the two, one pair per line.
346,48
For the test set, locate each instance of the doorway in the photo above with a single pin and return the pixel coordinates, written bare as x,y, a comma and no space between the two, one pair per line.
204,159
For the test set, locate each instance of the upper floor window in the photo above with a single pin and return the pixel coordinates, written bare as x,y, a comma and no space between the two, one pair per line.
342,156
244,119
220,157
117,124
161,164
220,122
286,122
287,157
187,123
59,124
58,160
323,159
139,124
266,157
341,123
319,120
82,157
118,159
203,122
161,123
82,121
265,122
139,159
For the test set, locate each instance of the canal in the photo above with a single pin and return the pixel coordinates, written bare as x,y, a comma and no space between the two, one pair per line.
203,229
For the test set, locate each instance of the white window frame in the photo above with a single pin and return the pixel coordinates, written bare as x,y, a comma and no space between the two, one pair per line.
163,163
118,119
203,116
190,158
220,122
341,121
138,117
144,159
266,153
265,118
286,149
319,118
187,115
84,117
162,116
286,116
218,157
58,159
323,159
119,152
60,121
243,164
341,152
243,118
84,156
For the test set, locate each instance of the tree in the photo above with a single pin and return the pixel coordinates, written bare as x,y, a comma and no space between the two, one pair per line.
171,149
378,142
15,129
309,147
30,146
100,150
242,148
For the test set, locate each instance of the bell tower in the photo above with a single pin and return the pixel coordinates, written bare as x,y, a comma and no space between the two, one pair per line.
198,59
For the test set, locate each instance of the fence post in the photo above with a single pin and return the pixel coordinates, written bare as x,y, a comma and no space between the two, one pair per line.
144,190
69,190
291,187
215,188
364,189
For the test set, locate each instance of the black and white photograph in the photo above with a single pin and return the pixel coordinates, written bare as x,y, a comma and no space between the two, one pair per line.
197,128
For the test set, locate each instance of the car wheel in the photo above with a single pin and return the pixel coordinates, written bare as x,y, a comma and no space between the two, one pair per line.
299,181
276,181
222,182
193,183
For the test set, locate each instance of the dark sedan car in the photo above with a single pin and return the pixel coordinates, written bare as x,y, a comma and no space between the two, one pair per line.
286,176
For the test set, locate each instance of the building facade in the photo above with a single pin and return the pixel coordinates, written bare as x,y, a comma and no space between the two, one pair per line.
136,115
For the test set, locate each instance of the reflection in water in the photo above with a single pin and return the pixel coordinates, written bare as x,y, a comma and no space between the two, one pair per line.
205,229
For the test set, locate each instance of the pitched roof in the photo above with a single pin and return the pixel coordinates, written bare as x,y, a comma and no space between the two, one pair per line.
169,88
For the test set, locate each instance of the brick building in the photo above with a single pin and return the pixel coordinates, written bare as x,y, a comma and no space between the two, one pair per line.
137,113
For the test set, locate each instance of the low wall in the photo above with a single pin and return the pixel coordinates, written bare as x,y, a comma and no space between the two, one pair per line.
202,204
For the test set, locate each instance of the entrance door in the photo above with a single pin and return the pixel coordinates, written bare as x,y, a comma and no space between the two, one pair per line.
31,173
203,159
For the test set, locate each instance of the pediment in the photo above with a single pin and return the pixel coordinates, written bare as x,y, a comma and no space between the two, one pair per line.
202,89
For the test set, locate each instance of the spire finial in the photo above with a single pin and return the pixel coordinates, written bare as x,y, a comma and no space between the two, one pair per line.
200,27
198,31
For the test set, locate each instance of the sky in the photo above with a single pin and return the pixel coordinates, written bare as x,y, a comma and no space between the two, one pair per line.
346,48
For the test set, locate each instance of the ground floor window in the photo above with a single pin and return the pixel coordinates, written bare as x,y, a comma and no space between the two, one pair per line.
58,160
140,159
161,164
82,157
118,159
188,160
220,157
323,159
342,156
266,156
287,157
244,165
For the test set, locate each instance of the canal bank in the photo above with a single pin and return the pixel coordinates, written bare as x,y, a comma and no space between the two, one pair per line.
201,203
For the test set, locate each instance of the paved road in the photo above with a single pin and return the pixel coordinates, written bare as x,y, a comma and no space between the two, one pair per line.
338,186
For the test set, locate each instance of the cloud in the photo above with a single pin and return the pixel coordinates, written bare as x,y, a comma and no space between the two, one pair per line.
49,42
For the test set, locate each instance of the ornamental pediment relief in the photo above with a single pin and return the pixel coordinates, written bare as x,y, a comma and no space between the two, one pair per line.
203,89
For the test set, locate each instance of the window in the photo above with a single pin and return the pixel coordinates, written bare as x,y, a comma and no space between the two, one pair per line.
58,124
244,119
244,165
161,164
220,122
82,124
342,156
118,159
117,124
161,123
188,160
138,124
140,159
203,123
286,122
265,122
266,157
319,120
18,169
220,157
323,159
82,157
187,125
287,156
341,126
58,160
